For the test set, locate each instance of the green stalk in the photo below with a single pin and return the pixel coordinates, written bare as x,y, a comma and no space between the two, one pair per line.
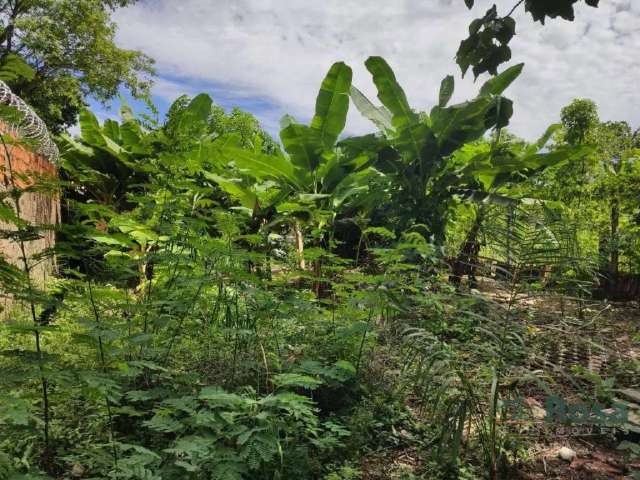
104,371
364,337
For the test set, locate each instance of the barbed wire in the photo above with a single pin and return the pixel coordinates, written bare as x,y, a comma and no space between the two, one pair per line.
27,125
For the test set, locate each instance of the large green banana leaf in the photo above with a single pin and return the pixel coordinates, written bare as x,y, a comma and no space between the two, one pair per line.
332,104
498,84
262,166
303,144
380,116
233,187
411,133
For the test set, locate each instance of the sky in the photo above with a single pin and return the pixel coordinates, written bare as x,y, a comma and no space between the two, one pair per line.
270,56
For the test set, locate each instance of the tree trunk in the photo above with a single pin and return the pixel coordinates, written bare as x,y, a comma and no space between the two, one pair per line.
614,257
299,245
467,259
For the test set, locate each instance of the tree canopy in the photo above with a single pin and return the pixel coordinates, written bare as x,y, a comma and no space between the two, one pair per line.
63,51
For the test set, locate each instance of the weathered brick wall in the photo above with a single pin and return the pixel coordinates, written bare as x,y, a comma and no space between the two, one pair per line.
23,168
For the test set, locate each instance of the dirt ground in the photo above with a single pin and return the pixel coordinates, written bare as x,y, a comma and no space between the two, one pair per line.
612,333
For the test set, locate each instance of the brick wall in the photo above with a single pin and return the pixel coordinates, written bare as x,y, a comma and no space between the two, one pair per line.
23,168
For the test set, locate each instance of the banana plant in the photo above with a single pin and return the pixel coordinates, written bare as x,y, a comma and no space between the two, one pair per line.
415,147
493,169
316,174
104,162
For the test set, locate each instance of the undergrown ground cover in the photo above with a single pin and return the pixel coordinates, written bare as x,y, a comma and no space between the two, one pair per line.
571,370
403,304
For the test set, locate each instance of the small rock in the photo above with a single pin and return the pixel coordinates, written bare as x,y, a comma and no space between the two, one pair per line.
566,454
77,470
538,413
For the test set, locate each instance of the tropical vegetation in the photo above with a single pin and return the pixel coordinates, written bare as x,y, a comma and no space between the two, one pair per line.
231,306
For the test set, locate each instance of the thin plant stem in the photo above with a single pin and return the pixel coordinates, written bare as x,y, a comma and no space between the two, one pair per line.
103,364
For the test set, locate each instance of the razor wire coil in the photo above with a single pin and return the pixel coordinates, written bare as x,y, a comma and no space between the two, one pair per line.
27,125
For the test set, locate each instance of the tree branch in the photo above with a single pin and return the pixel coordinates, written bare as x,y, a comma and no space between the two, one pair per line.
514,8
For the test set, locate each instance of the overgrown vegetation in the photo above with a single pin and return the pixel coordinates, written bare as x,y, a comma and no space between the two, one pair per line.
231,307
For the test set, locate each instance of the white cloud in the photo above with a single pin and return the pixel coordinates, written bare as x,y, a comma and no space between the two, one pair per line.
280,50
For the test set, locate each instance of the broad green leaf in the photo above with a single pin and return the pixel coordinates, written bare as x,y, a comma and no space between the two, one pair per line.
361,151
498,84
446,90
131,136
458,124
342,194
391,93
111,239
111,129
410,132
296,380
90,128
303,144
380,116
287,120
261,165
560,155
200,107
293,207
244,195
332,104
542,141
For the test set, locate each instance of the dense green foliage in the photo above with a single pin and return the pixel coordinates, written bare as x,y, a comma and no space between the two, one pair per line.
63,51
229,308
487,46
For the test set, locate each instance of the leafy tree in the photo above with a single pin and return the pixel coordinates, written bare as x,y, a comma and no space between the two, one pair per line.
487,45
579,119
214,124
69,48
415,148
599,191
614,142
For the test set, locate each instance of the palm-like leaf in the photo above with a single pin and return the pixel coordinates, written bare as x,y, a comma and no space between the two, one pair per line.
380,116
332,104
411,133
